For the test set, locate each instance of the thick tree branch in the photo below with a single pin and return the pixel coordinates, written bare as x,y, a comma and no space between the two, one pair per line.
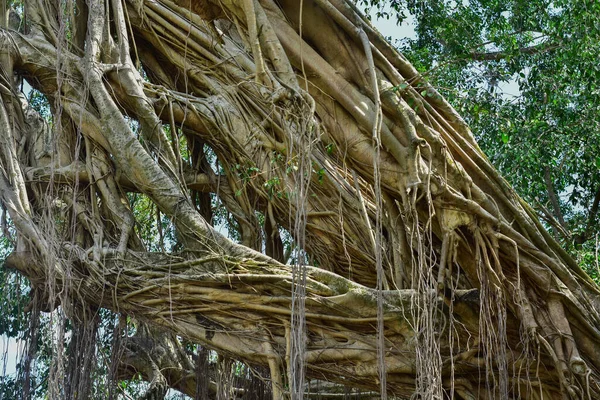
592,215
474,260
540,48
553,198
224,311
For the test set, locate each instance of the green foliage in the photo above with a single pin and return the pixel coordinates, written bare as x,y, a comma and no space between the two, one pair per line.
224,221
588,257
40,103
155,230
246,173
544,137
271,186
471,52
13,300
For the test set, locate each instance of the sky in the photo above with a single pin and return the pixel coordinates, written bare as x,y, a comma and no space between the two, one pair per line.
406,30
388,27
10,350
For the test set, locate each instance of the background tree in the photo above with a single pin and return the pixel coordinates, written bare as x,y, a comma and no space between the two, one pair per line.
374,244
543,136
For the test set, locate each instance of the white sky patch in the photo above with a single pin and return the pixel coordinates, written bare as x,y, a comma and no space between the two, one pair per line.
510,89
10,349
388,27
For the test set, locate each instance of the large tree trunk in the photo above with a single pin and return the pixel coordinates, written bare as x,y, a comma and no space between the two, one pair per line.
430,275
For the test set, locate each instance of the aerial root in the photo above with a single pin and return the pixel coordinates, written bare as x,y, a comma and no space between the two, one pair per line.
261,69
274,362
446,248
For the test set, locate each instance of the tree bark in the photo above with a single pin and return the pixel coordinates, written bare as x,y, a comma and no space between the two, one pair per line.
322,127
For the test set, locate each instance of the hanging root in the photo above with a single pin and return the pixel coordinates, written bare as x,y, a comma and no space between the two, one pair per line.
274,362
310,122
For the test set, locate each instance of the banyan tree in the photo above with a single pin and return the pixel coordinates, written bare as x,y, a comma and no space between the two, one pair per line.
369,244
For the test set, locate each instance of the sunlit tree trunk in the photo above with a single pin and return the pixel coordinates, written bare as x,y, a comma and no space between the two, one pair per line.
417,269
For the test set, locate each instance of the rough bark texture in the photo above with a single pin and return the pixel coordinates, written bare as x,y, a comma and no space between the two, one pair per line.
430,275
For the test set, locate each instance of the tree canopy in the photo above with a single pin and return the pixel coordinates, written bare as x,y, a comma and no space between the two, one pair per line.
258,198
542,137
